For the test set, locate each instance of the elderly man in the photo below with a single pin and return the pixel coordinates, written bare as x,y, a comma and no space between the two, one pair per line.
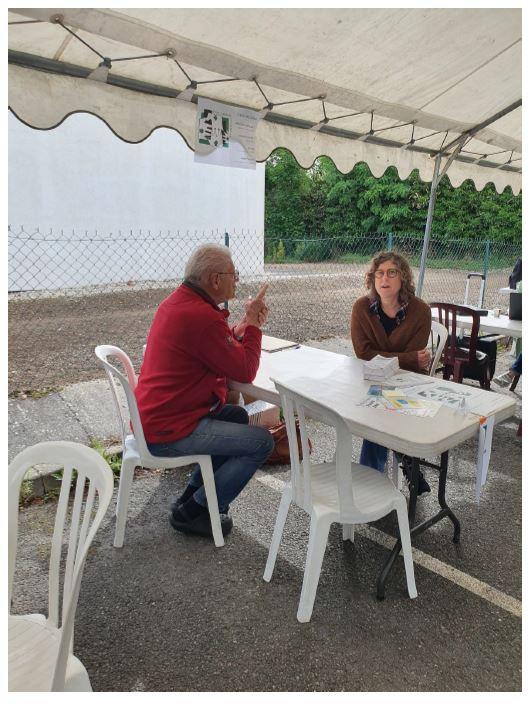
182,391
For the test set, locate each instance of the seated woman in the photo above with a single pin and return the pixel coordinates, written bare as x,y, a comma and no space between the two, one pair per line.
391,321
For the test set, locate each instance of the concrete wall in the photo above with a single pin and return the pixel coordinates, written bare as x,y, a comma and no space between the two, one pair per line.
108,211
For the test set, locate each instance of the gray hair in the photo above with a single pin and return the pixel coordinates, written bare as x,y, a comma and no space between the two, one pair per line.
205,259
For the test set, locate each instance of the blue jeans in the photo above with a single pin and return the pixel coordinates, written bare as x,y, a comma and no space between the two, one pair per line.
237,451
373,455
517,366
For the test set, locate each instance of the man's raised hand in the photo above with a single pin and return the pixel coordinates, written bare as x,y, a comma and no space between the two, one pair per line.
263,290
256,311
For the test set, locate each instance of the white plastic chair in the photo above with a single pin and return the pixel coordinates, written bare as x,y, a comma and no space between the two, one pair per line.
135,451
41,649
438,339
340,491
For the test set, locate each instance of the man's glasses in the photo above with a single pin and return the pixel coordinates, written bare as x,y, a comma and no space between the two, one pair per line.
234,274
389,273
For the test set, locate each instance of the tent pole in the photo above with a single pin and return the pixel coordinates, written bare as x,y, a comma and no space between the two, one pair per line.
430,214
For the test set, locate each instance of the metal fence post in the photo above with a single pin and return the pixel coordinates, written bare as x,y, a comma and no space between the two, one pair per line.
389,241
487,245
227,243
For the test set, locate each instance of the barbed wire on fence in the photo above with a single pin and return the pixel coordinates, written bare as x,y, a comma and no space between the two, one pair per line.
70,291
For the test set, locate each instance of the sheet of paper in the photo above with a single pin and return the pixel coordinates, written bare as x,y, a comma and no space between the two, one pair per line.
375,402
464,399
405,403
485,435
271,344
377,388
420,412
458,398
406,379
483,404
398,403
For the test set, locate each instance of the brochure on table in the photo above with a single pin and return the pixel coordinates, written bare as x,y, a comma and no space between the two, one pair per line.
396,400
422,396
270,344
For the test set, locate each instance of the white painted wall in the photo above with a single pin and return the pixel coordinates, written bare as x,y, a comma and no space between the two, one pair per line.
80,178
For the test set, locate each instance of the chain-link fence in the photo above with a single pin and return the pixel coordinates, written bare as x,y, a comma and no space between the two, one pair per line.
69,292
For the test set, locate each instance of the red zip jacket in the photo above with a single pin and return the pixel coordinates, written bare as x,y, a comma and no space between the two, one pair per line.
190,353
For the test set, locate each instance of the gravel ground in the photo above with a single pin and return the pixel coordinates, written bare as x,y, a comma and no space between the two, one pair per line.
52,339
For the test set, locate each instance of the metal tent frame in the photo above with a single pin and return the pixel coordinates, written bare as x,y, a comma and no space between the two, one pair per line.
456,146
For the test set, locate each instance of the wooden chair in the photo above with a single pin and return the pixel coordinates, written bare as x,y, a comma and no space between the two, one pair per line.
457,361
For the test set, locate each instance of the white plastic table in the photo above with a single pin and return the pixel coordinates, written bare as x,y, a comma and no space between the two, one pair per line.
491,324
337,381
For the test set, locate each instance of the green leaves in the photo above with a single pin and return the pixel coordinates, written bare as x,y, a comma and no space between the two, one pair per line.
323,203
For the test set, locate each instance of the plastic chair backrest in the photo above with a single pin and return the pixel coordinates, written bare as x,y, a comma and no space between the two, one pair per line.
438,339
128,384
447,315
83,525
294,402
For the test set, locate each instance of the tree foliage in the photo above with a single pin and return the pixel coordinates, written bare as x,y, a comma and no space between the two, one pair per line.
323,203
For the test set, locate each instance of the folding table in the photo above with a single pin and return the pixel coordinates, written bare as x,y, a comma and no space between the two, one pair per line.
337,381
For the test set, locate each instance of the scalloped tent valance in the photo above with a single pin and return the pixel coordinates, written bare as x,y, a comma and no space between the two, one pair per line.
389,87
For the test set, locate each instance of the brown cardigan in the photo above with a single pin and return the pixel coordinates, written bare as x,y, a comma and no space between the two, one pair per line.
369,338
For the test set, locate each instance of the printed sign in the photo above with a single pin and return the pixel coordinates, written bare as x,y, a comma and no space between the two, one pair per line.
225,135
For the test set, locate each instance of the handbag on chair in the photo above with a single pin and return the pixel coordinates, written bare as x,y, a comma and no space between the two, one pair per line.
280,453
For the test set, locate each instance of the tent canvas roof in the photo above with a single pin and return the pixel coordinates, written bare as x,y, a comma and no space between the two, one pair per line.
381,86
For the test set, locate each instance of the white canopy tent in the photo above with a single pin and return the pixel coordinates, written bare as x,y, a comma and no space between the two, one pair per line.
438,90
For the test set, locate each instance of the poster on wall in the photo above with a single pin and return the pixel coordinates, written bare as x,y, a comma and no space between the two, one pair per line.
225,135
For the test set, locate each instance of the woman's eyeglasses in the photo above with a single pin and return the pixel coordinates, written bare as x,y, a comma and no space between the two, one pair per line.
378,274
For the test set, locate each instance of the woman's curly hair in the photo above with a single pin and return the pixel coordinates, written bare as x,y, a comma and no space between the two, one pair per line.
407,280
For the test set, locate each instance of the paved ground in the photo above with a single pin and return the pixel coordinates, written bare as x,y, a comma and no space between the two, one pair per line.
173,613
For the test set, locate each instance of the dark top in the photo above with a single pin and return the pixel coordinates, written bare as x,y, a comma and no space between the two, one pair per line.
389,323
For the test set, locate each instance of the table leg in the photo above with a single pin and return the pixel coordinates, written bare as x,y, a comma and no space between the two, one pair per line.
414,476
445,511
